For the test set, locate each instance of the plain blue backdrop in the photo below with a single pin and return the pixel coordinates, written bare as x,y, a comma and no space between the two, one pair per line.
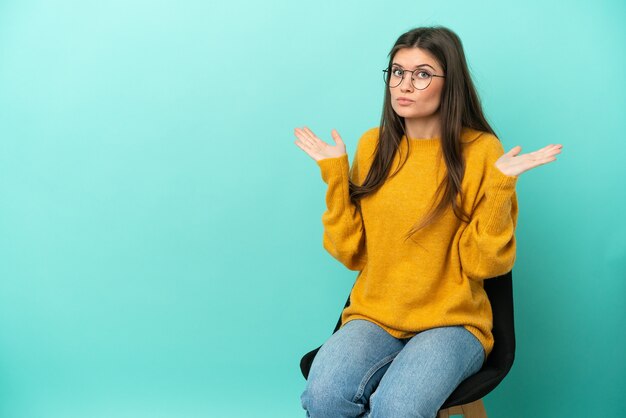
160,232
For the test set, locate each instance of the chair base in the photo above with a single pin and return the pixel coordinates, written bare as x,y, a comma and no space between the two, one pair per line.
469,410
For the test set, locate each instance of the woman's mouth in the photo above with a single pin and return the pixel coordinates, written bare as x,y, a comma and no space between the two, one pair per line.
404,101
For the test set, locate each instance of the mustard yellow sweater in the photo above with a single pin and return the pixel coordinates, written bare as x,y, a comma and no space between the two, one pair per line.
407,287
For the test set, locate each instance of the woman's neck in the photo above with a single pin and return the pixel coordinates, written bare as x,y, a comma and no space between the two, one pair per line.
423,128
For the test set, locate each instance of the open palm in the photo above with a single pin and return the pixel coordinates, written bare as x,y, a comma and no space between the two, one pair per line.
316,148
513,164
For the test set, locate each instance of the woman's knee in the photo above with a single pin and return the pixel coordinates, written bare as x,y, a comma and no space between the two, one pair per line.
383,405
324,397
346,368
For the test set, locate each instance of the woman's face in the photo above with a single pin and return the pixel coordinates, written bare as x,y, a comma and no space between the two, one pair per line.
419,103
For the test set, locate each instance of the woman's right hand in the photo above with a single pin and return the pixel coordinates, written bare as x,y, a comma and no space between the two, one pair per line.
316,148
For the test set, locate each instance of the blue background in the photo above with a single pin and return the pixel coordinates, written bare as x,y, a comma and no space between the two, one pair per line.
160,232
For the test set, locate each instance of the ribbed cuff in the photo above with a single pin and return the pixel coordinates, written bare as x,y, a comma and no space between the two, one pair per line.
337,166
500,190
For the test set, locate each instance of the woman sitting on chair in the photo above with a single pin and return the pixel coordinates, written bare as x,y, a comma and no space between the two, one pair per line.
419,321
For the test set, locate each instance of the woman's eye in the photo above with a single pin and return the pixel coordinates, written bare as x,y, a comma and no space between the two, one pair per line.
397,72
423,74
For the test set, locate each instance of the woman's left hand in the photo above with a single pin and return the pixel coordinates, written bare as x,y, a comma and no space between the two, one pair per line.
512,164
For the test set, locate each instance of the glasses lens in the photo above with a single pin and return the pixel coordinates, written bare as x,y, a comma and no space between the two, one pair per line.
390,79
421,80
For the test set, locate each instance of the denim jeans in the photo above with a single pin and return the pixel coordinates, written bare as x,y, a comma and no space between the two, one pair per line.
362,371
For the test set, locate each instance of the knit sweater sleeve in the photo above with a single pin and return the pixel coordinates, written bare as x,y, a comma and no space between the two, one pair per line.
344,233
487,246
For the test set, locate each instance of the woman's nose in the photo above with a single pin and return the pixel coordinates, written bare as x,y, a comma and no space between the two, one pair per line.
406,85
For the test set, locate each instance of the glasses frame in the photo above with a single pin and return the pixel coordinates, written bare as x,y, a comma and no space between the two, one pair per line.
388,76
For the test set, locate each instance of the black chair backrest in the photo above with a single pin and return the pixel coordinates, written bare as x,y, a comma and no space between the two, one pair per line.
500,293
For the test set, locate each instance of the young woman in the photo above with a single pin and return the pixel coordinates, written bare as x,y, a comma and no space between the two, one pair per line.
427,211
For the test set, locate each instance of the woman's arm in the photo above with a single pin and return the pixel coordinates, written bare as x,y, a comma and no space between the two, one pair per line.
487,246
344,234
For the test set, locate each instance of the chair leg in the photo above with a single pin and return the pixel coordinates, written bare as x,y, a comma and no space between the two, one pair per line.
474,409
446,413
443,413
469,410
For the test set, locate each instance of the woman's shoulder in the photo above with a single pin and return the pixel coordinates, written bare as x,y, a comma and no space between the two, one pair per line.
482,142
475,136
370,135
367,141
481,150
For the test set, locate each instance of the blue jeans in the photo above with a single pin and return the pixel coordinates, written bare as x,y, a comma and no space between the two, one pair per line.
363,371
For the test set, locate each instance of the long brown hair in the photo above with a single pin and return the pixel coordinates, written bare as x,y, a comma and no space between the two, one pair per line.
460,107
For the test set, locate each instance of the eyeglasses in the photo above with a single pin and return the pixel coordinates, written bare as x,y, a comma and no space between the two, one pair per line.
393,77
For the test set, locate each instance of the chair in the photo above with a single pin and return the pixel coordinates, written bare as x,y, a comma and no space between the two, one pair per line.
466,399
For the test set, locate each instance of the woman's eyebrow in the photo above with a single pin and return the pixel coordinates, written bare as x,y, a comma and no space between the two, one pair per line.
417,66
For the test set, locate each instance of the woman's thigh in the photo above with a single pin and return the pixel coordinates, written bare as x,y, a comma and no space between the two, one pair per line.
427,370
347,368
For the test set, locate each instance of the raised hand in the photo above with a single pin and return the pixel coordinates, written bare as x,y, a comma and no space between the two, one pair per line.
316,148
513,164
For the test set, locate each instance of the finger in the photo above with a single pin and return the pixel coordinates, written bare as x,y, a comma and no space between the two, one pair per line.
536,163
298,132
311,135
546,153
303,136
514,151
554,151
311,153
549,147
542,153
302,145
336,137
544,160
